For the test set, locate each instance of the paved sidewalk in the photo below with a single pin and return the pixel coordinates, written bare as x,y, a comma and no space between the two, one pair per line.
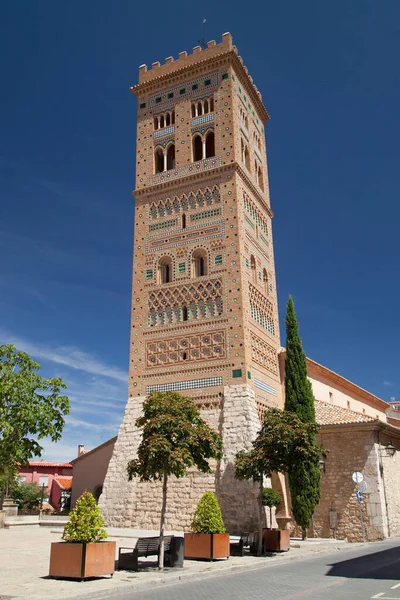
25,552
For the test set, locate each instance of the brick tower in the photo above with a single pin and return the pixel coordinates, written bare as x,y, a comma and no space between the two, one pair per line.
204,305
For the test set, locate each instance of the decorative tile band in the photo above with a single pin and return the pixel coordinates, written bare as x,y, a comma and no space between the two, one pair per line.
191,88
203,119
205,233
201,165
265,387
165,131
191,384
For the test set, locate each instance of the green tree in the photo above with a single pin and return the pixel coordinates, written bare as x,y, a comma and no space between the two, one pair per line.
271,498
208,516
86,524
304,479
31,408
28,496
284,440
174,438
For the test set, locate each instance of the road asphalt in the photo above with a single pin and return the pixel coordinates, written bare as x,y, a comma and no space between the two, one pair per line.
365,573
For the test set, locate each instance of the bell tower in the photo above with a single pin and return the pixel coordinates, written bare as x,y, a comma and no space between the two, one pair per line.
204,306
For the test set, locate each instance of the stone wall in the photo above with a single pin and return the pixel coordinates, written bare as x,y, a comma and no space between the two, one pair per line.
350,449
391,480
136,504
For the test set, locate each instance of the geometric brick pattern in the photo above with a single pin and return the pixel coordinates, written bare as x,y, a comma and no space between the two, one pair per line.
264,354
188,348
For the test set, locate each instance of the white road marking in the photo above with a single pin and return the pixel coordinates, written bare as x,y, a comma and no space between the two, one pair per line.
395,586
378,595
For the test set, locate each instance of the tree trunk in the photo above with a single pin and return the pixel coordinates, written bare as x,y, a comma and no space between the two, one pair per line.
303,533
163,511
260,521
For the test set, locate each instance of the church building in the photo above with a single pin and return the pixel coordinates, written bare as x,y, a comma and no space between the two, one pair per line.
204,318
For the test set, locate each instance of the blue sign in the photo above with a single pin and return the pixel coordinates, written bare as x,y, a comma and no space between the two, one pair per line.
359,496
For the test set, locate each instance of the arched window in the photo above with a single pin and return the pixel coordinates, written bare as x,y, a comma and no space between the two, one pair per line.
167,119
247,158
211,104
206,107
173,118
159,160
185,314
260,179
210,144
183,221
155,122
265,280
164,274
162,121
171,157
199,109
193,111
253,269
197,148
199,263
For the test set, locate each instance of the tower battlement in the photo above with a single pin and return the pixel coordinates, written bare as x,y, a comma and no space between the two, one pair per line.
158,73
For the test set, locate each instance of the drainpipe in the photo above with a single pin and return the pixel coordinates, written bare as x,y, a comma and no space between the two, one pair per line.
382,472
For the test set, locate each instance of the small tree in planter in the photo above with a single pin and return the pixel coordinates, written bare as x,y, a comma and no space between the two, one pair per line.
271,498
208,539
83,553
174,438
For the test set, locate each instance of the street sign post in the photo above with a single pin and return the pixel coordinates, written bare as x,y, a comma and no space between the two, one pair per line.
357,477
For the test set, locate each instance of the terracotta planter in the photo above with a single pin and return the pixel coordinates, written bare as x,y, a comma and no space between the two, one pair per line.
206,545
80,561
276,540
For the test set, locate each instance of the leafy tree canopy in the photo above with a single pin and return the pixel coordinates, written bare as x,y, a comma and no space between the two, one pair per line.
28,496
31,408
85,523
282,443
174,438
208,516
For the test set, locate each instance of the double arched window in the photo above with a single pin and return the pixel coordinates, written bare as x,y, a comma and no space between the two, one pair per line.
202,107
164,270
199,266
203,146
257,140
164,158
243,117
164,120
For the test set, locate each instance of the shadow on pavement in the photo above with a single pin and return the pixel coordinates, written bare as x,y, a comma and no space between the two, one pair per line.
378,565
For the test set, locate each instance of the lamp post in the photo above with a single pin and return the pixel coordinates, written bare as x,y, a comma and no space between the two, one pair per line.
390,449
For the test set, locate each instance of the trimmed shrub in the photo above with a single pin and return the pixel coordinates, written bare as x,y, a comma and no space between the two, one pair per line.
208,516
85,523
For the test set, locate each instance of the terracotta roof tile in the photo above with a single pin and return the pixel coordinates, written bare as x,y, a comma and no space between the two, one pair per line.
329,414
65,483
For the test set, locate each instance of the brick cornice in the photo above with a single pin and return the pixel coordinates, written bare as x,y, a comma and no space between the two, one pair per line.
374,426
204,175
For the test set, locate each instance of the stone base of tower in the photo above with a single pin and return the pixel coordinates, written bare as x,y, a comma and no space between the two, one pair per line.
134,504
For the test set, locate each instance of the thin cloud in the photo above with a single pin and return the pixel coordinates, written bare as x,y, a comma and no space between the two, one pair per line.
68,356
387,383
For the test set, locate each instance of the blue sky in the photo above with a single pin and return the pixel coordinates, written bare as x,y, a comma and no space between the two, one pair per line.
329,77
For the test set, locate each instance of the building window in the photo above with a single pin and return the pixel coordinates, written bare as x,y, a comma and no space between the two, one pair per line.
199,263
171,157
253,269
21,478
183,221
210,144
159,160
197,148
44,480
165,270
185,314
202,107
265,280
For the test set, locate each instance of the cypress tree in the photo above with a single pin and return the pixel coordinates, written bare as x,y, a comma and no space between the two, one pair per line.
304,480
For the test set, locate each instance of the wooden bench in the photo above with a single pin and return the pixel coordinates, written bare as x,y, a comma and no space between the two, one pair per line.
148,546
